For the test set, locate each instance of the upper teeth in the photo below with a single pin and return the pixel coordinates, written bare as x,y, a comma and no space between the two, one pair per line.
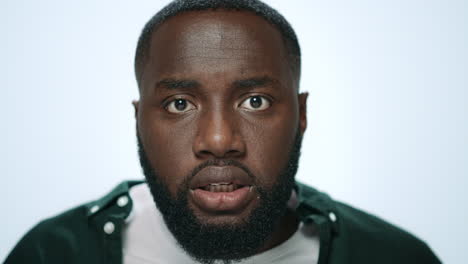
216,184
220,187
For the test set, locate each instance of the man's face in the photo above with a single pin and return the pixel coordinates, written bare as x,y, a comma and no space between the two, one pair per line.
218,116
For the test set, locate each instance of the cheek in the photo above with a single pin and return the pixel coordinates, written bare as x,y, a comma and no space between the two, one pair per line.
166,148
269,144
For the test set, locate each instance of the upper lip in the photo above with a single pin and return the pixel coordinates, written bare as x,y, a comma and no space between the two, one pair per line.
220,174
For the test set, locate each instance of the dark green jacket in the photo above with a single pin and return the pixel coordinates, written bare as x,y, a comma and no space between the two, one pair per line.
347,235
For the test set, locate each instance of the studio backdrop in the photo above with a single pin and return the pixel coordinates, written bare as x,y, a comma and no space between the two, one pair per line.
387,111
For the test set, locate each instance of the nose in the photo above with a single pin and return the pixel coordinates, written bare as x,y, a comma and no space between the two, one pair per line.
218,137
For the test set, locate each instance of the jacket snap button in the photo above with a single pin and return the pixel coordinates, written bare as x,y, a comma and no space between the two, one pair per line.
94,209
332,216
109,228
122,201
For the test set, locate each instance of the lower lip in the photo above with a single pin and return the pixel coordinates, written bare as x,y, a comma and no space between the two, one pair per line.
222,201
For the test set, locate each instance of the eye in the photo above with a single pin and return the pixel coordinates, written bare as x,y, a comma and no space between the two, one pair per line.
256,103
178,106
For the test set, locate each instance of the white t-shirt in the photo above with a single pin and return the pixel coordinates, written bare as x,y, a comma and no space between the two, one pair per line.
146,238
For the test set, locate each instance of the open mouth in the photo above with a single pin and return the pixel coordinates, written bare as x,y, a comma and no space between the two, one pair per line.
216,189
222,187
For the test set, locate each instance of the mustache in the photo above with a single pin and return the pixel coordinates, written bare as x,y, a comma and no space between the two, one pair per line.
220,162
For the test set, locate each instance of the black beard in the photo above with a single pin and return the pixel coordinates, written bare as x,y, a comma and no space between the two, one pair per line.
228,243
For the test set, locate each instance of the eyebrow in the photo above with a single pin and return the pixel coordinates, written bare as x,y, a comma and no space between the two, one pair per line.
254,82
172,84
245,84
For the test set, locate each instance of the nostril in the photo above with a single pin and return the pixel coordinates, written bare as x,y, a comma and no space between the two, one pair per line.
233,152
227,154
205,152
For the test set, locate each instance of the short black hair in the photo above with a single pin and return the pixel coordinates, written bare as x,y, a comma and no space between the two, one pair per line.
257,7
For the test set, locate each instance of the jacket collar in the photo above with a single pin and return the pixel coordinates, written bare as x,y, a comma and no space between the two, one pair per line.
109,199
313,203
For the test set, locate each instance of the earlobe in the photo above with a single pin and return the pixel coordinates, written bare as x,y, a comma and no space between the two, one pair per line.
135,106
302,98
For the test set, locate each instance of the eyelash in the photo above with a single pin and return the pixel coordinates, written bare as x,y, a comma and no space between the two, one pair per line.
166,104
264,97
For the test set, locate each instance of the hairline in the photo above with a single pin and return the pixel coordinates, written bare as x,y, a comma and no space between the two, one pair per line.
291,46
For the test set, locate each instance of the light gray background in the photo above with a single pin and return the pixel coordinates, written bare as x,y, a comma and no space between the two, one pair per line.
387,110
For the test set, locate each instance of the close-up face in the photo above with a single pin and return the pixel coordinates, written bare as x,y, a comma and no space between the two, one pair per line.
218,86
219,112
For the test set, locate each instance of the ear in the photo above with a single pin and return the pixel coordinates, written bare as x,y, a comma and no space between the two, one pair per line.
302,99
135,106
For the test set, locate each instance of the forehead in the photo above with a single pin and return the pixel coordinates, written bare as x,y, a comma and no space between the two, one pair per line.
213,43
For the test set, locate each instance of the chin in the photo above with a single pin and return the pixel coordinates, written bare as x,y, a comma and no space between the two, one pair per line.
223,218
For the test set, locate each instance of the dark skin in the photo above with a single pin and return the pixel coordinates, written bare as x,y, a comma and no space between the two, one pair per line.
218,85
